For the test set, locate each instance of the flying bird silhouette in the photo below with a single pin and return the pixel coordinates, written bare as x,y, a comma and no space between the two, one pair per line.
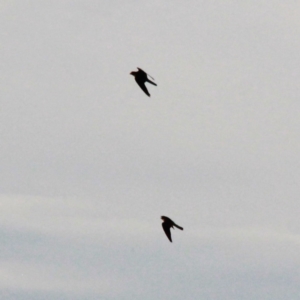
167,224
141,77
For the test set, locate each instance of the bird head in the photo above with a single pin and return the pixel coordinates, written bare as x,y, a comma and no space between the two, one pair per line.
132,73
163,217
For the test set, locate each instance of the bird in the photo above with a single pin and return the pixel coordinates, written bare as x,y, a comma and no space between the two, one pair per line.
167,224
141,77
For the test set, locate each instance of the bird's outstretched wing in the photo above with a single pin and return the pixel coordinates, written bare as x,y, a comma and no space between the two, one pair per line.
143,87
167,230
142,70
146,74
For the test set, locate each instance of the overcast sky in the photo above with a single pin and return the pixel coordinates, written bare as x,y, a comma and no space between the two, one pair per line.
89,163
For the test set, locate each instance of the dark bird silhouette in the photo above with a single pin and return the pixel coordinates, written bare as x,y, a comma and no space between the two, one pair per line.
167,224
141,77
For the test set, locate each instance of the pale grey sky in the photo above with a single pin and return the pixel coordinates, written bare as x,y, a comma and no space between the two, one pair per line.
89,163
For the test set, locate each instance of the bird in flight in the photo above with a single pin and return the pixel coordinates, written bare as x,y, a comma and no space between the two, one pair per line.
141,77
167,224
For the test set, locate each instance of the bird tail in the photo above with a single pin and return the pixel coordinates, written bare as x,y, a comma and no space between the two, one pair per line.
150,76
178,227
151,82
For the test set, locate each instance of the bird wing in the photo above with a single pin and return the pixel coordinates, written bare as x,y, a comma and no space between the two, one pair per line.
146,73
167,230
142,86
142,71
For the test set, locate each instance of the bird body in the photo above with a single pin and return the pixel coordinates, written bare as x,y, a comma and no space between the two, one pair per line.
167,224
141,77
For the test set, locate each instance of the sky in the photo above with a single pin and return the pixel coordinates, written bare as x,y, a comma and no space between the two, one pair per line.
89,163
